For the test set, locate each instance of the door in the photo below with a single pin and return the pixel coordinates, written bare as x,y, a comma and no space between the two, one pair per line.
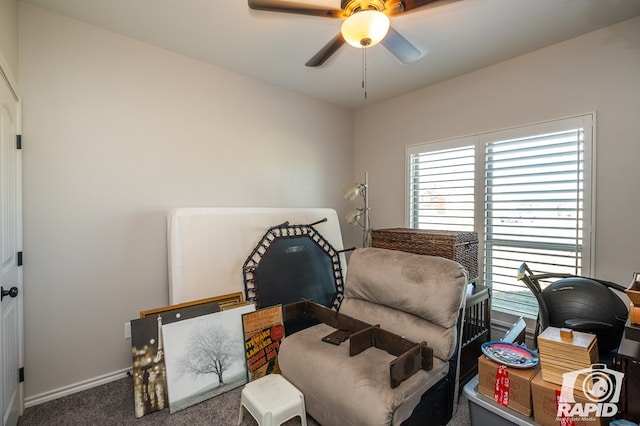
11,396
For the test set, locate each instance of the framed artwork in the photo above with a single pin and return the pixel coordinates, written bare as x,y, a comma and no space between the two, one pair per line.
233,306
225,301
147,349
263,330
204,356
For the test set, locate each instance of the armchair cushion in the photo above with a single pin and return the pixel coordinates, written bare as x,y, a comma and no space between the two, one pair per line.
415,296
343,390
407,282
441,340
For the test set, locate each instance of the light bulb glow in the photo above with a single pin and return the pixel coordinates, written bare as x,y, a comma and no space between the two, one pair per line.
365,29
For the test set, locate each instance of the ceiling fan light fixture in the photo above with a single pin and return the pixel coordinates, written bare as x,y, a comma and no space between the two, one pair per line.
365,28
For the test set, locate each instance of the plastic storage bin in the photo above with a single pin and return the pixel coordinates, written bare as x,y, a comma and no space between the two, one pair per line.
484,411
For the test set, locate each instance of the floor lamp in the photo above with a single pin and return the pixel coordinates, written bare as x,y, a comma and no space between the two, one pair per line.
360,215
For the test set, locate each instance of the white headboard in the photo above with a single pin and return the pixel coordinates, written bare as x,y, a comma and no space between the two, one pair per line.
208,246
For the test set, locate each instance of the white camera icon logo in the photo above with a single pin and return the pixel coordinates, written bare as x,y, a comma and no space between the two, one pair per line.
598,383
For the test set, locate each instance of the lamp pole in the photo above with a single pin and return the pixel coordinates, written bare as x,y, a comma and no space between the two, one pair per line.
366,241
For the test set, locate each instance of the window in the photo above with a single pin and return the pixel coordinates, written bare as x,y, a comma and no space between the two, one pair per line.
526,191
442,189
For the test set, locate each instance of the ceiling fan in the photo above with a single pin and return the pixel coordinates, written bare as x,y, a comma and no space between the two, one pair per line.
360,28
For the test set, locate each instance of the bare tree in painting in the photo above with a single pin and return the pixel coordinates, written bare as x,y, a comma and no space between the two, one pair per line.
209,351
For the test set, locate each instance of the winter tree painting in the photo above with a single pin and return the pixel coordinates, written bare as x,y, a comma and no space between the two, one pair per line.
204,357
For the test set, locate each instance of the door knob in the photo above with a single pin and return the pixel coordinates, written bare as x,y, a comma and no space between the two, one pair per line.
12,292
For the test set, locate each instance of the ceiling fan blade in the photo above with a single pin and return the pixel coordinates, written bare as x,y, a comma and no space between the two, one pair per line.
414,4
396,7
292,7
400,47
326,52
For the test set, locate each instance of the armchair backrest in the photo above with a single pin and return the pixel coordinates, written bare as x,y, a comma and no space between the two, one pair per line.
416,296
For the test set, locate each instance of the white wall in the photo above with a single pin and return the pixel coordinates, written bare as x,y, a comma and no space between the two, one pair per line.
597,72
9,40
116,133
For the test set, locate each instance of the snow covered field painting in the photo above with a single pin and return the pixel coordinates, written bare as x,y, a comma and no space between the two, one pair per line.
204,356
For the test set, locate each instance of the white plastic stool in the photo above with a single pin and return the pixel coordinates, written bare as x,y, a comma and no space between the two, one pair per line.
272,400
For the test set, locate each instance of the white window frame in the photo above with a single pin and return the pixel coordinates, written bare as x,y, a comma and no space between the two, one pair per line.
479,141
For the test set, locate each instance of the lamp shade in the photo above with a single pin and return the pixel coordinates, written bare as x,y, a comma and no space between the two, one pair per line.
353,216
352,192
365,28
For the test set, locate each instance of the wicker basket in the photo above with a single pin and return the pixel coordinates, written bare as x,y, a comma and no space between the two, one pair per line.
459,246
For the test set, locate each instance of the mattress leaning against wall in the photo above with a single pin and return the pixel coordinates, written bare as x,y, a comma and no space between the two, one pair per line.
208,246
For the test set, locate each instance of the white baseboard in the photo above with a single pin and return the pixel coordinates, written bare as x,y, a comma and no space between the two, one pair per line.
75,387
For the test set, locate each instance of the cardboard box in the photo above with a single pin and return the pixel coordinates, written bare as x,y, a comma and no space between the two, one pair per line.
564,350
545,405
517,388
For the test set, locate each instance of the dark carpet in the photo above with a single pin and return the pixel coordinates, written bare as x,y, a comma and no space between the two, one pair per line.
112,404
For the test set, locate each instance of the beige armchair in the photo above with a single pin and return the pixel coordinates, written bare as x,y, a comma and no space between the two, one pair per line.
415,296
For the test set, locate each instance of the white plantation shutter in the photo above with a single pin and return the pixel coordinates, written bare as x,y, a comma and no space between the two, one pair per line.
532,204
533,212
441,193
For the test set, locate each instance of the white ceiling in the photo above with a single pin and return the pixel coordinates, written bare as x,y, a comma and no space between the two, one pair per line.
456,38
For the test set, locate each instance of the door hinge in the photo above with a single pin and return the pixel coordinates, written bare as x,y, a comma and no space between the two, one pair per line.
18,141
21,375
19,258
